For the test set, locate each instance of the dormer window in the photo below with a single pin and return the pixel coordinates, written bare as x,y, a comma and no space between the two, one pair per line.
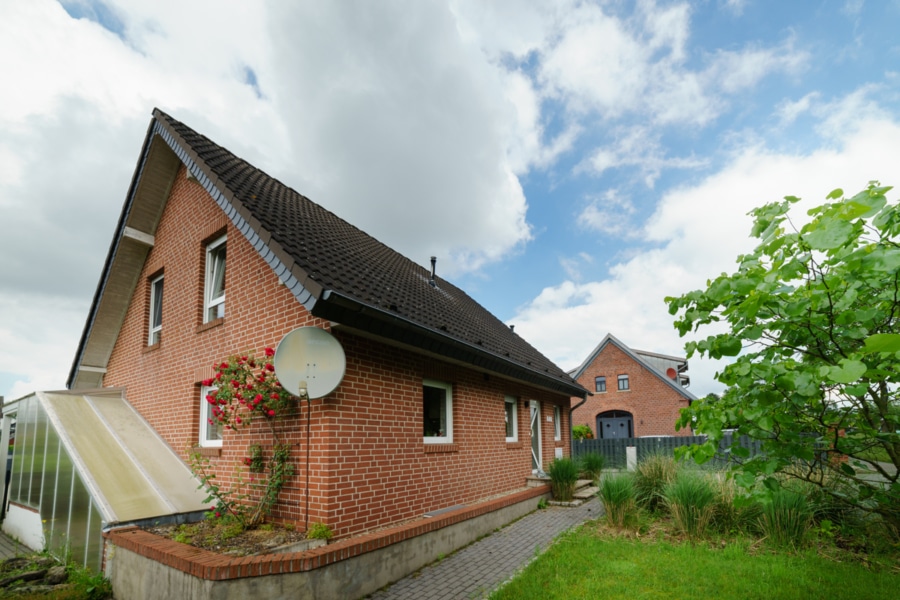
214,287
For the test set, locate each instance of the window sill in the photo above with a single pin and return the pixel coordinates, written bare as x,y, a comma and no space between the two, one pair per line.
152,348
514,445
210,324
441,448
628,390
210,451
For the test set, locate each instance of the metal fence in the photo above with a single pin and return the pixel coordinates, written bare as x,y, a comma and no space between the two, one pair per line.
613,449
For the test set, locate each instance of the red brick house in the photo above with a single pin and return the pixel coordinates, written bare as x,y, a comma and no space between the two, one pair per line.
441,404
635,393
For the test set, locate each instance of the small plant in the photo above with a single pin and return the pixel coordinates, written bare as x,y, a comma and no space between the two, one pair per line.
582,432
617,493
563,474
319,531
93,586
651,477
786,519
542,504
591,465
691,500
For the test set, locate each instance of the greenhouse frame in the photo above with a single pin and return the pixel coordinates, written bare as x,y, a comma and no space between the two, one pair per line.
83,463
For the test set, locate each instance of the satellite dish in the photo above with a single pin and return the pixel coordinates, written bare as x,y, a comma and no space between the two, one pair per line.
671,373
309,362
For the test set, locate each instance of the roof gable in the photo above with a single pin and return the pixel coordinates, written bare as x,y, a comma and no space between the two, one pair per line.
638,357
334,269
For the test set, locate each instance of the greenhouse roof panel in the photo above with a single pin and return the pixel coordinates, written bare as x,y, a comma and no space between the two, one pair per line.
132,473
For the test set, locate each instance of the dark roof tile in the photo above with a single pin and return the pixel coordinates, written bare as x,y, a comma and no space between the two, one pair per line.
347,261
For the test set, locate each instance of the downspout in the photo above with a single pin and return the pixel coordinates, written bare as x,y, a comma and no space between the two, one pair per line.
571,436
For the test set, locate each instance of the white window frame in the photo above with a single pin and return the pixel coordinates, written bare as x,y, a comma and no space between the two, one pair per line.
447,438
619,381
557,423
209,302
155,330
205,414
507,401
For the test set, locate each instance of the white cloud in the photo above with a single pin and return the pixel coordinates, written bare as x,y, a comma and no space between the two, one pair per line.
788,112
610,213
639,148
699,230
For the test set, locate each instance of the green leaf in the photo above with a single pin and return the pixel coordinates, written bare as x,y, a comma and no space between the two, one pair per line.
834,235
847,469
835,194
882,342
848,371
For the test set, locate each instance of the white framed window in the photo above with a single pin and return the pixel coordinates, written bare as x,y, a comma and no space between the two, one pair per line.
512,419
623,383
210,429
156,297
437,412
557,423
214,285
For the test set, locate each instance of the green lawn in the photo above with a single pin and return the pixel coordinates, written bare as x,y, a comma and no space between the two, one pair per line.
583,564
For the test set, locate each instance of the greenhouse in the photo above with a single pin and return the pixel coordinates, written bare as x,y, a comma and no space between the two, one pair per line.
83,463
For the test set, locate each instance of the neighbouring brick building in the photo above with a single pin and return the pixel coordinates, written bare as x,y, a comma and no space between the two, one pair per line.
441,404
635,393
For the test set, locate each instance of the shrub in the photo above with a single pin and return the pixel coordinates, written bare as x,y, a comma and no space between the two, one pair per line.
691,500
786,518
651,476
563,474
617,493
319,531
591,465
582,432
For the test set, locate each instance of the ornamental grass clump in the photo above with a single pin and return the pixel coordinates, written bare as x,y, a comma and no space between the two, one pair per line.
651,477
786,519
617,494
592,466
691,500
563,474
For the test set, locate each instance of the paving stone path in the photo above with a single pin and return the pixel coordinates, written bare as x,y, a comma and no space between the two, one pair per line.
480,568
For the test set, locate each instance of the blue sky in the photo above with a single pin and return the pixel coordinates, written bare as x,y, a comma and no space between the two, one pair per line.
569,163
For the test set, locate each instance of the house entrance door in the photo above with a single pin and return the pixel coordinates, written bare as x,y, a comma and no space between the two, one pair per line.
615,424
536,466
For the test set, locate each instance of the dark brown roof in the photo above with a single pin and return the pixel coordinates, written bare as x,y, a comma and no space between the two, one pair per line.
343,274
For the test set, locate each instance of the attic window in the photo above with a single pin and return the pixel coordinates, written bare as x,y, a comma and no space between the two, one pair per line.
599,384
156,296
623,383
214,286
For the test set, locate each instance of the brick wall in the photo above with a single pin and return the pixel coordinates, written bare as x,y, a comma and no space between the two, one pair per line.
653,404
368,465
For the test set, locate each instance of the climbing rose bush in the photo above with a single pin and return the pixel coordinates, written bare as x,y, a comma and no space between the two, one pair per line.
247,387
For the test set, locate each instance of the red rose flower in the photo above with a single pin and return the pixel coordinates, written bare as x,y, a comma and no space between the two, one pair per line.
270,352
270,367
207,382
271,413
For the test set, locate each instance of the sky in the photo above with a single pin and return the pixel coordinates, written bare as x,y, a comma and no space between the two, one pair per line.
569,163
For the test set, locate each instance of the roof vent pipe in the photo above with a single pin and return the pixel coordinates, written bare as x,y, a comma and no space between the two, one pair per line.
433,265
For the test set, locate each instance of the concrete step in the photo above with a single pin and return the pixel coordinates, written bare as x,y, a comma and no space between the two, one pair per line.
585,493
583,483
